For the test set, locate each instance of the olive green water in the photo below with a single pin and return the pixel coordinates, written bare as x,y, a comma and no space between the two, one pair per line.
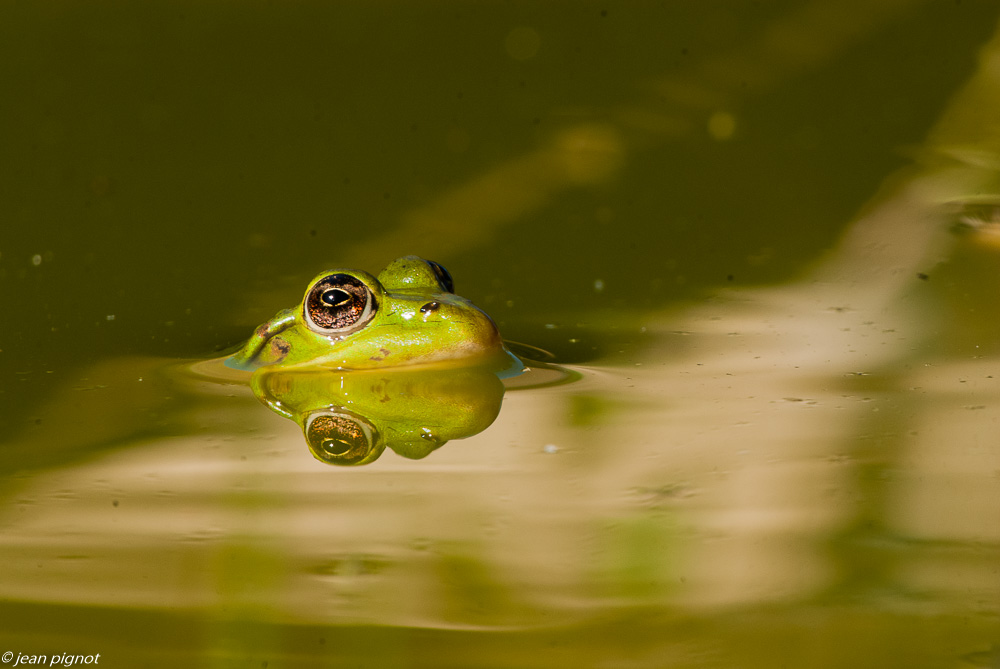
761,235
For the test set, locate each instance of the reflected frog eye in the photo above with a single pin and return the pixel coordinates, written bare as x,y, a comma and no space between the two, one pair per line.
339,303
338,439
443,276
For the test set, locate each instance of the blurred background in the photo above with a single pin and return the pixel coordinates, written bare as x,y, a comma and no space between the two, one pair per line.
173,172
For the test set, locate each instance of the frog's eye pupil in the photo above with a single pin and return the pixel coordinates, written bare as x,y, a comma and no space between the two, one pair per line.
335,297
335,446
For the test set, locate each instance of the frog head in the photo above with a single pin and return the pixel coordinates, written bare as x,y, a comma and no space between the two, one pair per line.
349,319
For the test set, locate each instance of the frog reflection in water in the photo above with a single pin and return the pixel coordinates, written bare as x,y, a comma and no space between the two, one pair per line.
350,418
364,363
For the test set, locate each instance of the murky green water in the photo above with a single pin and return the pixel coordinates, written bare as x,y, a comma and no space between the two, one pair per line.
759,241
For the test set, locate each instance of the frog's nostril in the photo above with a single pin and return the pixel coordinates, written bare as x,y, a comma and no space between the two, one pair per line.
429,307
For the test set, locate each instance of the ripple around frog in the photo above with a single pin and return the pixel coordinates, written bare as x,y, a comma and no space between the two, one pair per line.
534,368
538,369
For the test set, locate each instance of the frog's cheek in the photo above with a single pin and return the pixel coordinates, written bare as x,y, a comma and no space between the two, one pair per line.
265,346
277,349
270,351
259,352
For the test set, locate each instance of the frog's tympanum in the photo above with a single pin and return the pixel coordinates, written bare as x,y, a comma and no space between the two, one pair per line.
349,418
351,320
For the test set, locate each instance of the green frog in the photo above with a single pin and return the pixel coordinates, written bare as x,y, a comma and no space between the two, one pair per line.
350,320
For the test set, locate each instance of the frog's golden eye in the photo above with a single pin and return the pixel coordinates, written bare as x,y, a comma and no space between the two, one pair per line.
339,439
339,303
